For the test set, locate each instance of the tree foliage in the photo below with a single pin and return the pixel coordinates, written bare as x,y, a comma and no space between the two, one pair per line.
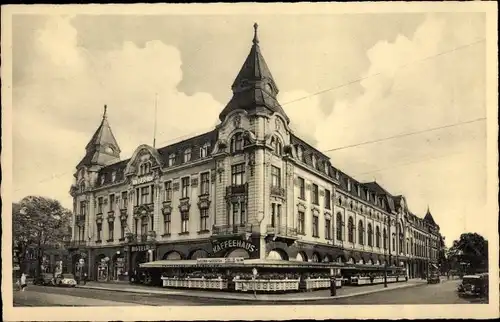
470,249
39,222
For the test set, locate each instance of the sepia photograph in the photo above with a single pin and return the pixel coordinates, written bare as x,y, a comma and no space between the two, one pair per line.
235,158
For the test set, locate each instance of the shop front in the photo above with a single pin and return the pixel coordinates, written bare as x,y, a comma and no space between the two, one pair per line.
235,247
141,254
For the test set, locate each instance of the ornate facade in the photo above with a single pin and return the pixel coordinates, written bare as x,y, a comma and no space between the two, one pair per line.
249,188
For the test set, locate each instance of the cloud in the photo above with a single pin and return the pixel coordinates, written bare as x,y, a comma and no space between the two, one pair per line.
60,104
430,90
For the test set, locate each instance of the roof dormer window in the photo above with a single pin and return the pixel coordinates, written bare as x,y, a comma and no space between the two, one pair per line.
348,185
187,155
277,146
300,153
113,176
102,179
171,159
204,150
313,159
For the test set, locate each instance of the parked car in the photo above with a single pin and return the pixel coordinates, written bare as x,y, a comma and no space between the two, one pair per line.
45,279
66,280
433,278
474,285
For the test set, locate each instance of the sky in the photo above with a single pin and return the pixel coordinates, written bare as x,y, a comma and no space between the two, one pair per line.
343,80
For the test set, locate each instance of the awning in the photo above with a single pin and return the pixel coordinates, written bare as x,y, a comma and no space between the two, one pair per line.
246,263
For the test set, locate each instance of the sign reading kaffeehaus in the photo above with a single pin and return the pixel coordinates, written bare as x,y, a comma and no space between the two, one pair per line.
234,243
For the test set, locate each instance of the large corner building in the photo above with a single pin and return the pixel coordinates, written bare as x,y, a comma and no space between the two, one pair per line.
249,188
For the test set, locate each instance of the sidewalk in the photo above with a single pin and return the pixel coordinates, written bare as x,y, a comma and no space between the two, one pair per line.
345,291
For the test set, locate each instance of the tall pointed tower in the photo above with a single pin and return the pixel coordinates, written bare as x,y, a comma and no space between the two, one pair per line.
102,148
428,217
254,89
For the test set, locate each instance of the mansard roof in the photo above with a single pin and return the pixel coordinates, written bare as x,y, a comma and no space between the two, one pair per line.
177,148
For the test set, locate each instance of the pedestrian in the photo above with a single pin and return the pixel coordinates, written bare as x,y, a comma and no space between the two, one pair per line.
23,282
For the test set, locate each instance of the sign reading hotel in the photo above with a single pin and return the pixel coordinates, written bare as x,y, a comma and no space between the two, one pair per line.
224,260
141,248
234,243
143,179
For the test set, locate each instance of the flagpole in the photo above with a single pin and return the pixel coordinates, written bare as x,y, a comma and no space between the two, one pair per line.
156,114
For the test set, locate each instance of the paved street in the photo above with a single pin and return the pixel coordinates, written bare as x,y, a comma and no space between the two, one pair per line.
443,293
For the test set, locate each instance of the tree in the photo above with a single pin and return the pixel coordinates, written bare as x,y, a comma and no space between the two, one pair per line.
470,250
40,223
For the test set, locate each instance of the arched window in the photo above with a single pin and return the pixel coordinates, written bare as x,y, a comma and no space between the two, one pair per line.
385,238
204,150
377,236
145,168
187,155
313,159
82,187
339,226
237,142
361,233
171,159
300,153
370,235
277,146
350,228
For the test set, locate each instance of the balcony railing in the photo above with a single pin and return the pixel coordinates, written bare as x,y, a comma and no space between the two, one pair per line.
232,229
277,191
281,231
75,243
236,189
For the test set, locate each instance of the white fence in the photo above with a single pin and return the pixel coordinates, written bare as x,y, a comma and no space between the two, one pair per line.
200,283
266,285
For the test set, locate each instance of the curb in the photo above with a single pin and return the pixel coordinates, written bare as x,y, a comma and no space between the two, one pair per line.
250,297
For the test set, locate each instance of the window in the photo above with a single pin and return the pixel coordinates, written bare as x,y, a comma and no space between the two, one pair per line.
113,176
348,185
144,195
327,199
315,194
187,155
339,227
171,159
99,231
275,215
237,142
275,176
350,230
184,222
204,150
168,191
239,213
122,228
315,227
377,236
83,208
167,219
185,187
313,159
277,146
361,233
100,202
111,230
111,202
370,235
301,222
205,183
237,174
328,228
102,179
393,242
144,226
124,200
136,226
203,219
300,153
144,168
302,188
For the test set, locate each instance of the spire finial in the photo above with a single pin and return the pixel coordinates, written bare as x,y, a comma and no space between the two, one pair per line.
104,116
255,38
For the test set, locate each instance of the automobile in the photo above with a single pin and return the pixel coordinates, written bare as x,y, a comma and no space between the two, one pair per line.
66,280
45,279
433,278
473,285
